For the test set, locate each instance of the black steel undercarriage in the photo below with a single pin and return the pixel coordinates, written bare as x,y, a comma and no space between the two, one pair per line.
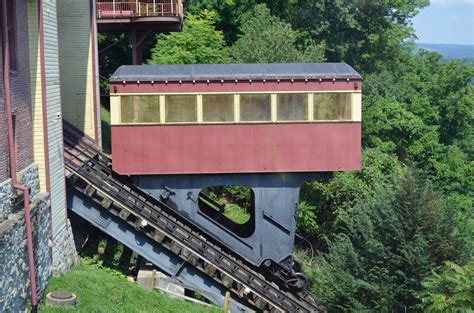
266,240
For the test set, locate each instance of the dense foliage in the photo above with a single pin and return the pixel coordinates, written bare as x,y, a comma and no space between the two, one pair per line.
199,42
452,290
379,235
385,247
277,41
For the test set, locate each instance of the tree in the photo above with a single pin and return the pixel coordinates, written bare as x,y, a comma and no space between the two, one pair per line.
386,246
393,129
450,291
229,14
277,41
199,42
364,33
324,204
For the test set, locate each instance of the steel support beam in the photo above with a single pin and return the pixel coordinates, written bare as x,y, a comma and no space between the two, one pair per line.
147,248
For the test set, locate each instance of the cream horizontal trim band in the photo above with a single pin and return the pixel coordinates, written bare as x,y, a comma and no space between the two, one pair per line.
240,123
232,93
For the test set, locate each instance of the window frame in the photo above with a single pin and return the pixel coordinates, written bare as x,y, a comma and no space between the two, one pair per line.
309,105
201,113
12,38
270,121
141,123
198,112
313,104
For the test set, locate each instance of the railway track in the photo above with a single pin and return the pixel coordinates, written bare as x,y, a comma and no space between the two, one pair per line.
88,170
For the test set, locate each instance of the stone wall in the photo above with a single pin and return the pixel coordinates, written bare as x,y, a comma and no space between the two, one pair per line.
6,192
29,178
14,270
64,251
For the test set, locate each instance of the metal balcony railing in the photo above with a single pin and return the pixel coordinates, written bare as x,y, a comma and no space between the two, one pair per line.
116,9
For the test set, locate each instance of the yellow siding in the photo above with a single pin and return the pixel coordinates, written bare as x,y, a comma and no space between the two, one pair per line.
37,110
76,68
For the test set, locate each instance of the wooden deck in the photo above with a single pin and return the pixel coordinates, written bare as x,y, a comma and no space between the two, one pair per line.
141,15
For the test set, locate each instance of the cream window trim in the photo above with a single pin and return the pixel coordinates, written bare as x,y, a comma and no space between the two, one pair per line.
273,107
115,110
356,108
162,109
236,108
310,107
199,109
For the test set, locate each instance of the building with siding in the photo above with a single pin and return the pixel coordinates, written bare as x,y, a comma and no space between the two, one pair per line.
48,73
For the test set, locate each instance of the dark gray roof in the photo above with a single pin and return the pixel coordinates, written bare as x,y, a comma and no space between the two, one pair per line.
233,71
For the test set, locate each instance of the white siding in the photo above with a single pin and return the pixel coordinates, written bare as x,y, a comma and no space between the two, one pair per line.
54,116
76,61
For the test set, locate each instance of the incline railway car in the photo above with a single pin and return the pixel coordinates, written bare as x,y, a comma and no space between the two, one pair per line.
178,129
243,118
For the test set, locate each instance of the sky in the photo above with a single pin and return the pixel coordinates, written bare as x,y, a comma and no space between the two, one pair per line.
446,21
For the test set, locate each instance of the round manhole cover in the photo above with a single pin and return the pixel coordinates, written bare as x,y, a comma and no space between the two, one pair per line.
61,295
60,298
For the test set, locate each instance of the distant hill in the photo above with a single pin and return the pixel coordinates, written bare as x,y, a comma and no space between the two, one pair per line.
464,52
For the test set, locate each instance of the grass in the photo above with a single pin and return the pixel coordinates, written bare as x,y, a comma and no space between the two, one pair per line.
236,214
232,211
105,117
99,289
